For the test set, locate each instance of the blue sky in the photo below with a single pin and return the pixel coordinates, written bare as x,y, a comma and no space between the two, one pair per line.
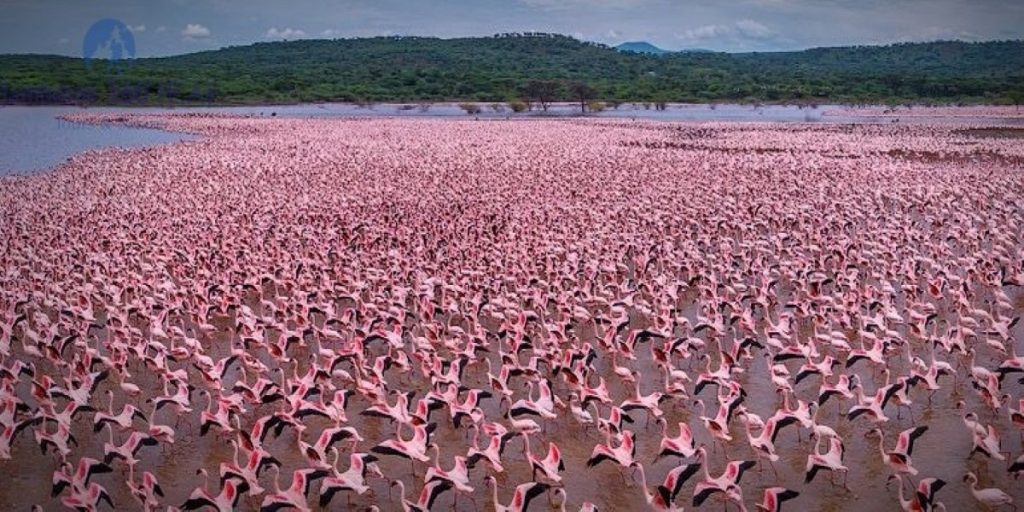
166,27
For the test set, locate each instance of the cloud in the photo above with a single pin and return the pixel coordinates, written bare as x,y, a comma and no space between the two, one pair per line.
586,4
940,34
613,34
137,28
744,29
330,33
753,29
161,28
194,31
286,33
705,32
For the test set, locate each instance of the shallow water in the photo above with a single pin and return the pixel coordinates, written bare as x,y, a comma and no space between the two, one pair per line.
605,484
32,138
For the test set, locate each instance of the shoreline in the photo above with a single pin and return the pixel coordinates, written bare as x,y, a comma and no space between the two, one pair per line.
119,119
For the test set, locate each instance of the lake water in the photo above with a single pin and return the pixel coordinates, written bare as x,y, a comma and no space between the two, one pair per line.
32,138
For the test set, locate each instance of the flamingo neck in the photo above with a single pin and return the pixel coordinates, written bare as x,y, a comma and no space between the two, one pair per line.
704,466
643,482
494,494
476,437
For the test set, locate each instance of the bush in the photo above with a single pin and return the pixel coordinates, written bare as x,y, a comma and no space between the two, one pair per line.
596,106
517,106
497,107
470,108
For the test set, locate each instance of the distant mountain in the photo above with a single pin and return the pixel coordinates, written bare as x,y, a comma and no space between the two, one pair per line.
641,47
650,49
502,68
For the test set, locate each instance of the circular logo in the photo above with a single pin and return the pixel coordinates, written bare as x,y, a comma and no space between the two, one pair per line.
108,39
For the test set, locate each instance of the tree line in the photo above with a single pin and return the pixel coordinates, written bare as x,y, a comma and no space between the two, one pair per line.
528,68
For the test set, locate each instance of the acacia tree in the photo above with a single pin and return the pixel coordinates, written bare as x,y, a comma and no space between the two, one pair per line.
582,92
542,91
1017,98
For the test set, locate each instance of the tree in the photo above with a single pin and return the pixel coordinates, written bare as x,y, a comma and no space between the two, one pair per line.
582,92
543,91
1017,97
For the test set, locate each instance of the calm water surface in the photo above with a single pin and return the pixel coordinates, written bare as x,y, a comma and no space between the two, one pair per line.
32,138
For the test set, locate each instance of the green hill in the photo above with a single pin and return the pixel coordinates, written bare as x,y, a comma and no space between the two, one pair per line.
499,68
641,47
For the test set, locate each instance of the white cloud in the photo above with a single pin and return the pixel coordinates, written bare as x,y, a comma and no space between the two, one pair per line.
137,28
330,33
161,28
705,32
751,28
613,34
743,29
64,40
286,33
194,31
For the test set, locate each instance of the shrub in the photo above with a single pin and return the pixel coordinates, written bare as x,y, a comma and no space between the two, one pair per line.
596,106
517,106
470,108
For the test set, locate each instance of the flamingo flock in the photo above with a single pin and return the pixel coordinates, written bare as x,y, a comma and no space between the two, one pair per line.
934,112
318,314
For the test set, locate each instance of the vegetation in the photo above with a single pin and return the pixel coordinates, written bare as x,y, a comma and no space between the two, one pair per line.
537,68
470,108
583,93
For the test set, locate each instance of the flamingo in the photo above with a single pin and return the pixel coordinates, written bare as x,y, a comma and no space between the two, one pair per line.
898,459
726,483
832,460
664,498
431,490
549,466
773,498
990,497
295,495
682,446
521,498
352,480
224,501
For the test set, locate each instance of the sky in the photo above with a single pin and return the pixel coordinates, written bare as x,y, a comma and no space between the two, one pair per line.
169,27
